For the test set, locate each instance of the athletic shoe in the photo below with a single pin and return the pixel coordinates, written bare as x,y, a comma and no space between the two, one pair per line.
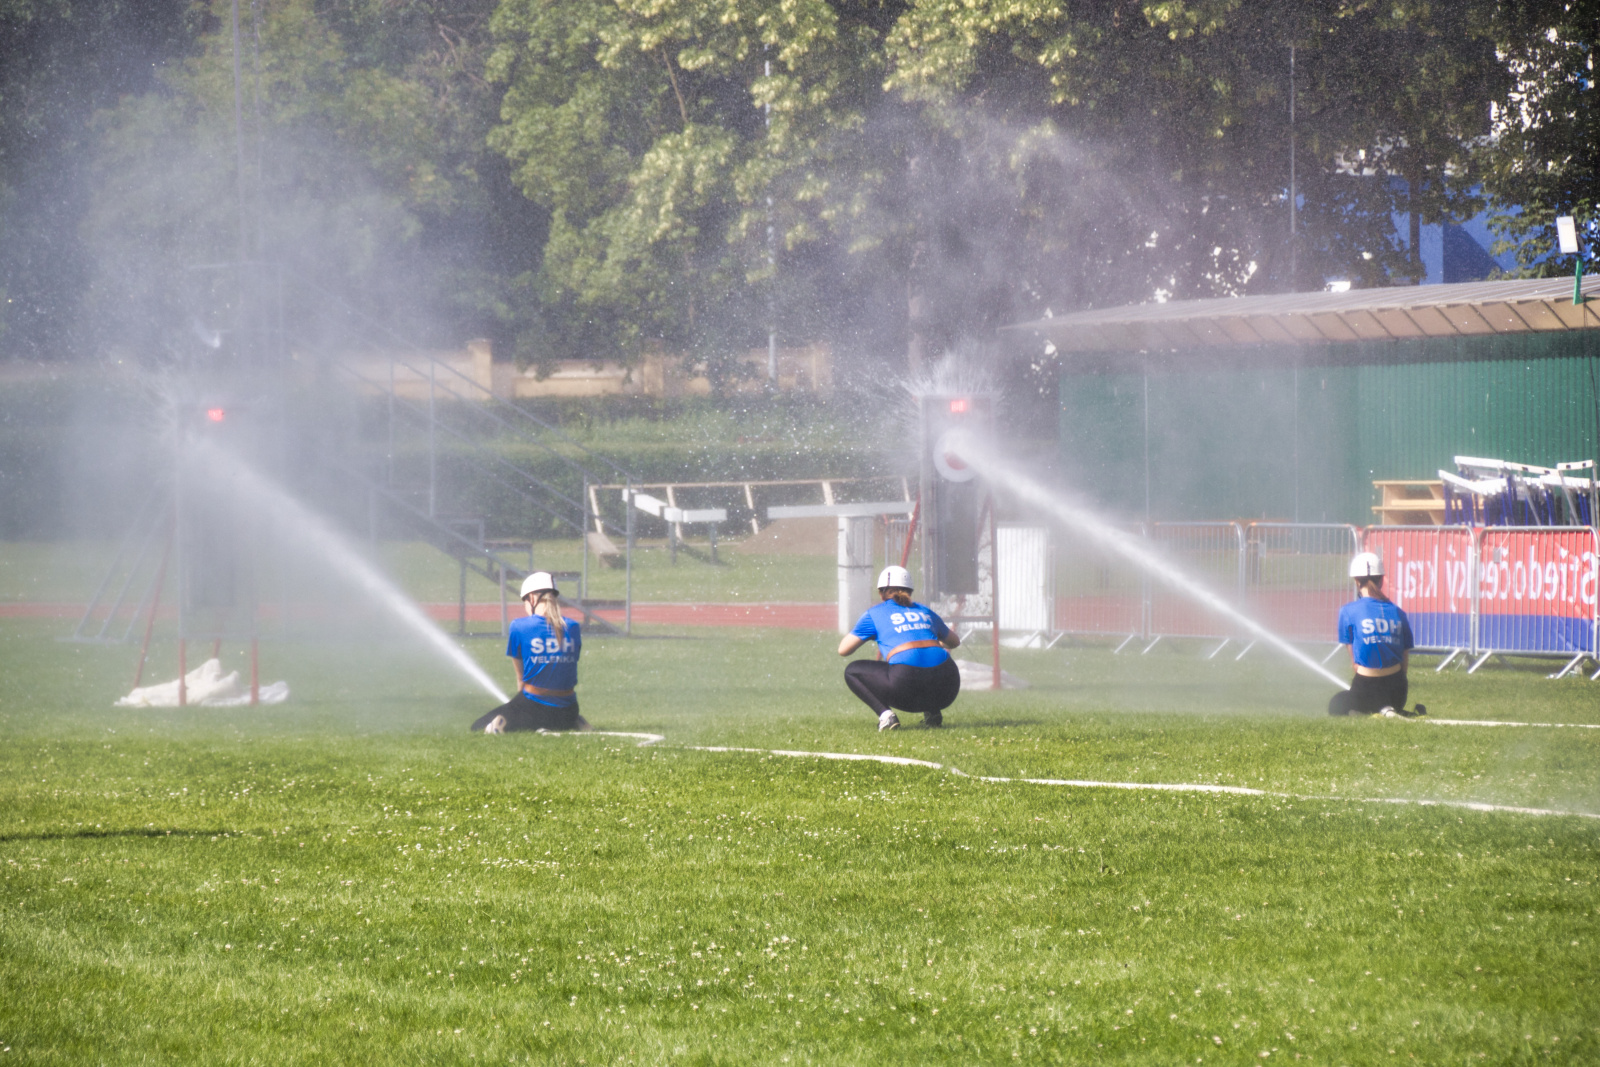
497,725
933,720
888,721
582,725
1388,712
1419,709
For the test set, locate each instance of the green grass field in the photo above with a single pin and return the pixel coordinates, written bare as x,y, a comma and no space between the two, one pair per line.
352,877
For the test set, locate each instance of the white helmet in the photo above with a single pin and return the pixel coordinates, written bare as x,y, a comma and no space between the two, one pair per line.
894,578
1366,565
539,582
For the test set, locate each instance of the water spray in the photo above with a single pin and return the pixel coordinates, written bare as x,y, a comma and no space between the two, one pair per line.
319,535
975,454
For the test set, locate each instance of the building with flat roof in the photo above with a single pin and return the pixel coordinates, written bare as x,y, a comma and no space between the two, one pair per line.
1290,406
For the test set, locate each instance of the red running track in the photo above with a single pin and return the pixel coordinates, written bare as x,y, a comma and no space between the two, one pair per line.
787,616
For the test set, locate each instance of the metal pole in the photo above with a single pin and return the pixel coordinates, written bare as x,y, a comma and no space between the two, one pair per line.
1147,446
389,459
1294,196
155,603
432,458
627,593
1297,440
183,671
183,567
994,592
583,580
772,254
238,148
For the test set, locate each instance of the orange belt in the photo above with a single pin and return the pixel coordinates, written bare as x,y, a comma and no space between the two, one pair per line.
908,646
528,687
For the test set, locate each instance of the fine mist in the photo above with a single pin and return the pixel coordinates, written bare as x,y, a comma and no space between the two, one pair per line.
999,472
310,533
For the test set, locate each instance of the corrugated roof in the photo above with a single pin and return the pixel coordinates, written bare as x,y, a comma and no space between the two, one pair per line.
1402,313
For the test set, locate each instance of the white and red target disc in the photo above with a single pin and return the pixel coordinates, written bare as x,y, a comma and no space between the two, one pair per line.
947,455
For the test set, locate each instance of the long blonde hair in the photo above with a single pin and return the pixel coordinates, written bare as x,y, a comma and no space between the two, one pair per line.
548,604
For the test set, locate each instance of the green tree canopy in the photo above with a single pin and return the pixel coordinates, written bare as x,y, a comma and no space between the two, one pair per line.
664,140
588,177
1543,159
59,63
1195,95
970,161
361,136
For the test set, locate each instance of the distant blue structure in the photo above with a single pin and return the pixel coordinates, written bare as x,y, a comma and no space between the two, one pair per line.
1457,253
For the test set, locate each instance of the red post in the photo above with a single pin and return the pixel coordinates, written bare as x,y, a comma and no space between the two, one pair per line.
911,530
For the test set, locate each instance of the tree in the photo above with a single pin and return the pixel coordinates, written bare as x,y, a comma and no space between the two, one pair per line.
1190,97
360,133
46,106
665,139
1543,159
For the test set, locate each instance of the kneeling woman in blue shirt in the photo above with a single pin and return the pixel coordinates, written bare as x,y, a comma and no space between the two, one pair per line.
914,672
1379,636
545,647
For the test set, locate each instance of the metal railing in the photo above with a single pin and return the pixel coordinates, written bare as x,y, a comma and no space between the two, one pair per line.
1496,590
1296,576
1499,590
1214,554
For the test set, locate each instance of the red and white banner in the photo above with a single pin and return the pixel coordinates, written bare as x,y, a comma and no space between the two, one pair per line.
1428,573
1486,589
1536,589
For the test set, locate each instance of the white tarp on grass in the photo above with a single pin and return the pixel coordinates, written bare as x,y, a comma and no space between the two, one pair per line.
207,686
981,676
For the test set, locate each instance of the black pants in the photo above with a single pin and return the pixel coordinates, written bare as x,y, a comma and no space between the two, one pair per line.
1371,694
882,686
524,714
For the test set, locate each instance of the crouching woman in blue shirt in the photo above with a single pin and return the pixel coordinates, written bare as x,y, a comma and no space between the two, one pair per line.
914,672
545,647
1379,636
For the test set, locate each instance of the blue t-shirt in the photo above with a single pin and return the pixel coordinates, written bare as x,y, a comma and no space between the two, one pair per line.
891,626
1376,631
547,661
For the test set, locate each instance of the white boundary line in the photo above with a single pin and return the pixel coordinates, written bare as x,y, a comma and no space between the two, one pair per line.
1492,722
1076,783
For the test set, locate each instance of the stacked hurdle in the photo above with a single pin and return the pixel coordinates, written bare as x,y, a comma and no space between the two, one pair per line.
1495,492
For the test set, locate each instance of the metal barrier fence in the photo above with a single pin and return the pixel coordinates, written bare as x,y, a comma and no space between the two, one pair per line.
1429,574
1498,589
1515,590
1097,593
1536,591
1213,553
1296,576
